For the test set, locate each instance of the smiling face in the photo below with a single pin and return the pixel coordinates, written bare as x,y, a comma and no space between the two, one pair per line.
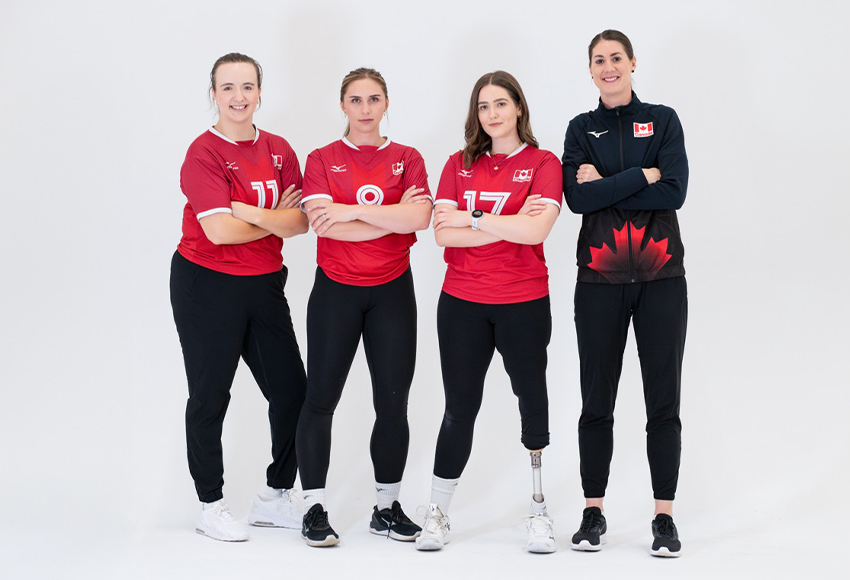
364,103
237,93
498,113
611,69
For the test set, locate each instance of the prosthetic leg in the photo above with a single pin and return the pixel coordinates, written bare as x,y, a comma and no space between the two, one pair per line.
536,462
541,535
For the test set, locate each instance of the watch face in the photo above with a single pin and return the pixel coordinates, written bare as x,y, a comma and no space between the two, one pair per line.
477,213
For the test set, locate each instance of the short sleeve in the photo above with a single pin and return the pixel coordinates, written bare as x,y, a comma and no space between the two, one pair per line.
415,174
548,180
204,183
447,189
315,179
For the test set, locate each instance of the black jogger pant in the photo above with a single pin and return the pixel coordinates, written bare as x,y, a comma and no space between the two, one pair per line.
219,318
659,310
337,315
469,334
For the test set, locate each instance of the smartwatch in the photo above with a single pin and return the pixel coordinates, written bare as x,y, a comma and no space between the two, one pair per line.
476,215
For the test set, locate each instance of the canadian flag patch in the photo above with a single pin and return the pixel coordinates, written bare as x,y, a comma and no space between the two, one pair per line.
278,161
643,129
523,175
398,168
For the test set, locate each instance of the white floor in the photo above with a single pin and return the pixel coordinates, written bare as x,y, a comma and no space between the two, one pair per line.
715,545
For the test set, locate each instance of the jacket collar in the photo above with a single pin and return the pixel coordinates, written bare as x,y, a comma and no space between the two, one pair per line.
628,109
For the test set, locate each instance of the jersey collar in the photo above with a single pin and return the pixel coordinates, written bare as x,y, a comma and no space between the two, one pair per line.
215,132
356,148
516,151
628,109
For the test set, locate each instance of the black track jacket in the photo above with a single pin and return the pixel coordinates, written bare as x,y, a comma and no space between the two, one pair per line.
629,231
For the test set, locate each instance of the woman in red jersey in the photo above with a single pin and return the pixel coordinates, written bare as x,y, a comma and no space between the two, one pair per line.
497,201
365,196
227,277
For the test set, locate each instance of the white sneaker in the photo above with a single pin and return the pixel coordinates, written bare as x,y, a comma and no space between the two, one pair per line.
284,510
218,523
435,531
541,534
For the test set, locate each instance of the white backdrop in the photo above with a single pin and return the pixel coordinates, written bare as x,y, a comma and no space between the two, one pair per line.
99,103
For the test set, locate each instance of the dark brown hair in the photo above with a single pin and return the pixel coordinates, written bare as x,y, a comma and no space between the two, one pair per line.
614,35
360,74
236,57
478,141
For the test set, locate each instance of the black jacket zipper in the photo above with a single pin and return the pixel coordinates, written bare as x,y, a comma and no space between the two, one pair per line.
628,222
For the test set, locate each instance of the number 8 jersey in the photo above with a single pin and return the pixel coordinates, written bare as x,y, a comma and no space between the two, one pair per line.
346,173
502,272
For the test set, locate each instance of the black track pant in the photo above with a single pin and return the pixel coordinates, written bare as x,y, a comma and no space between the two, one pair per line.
469,334
337,315
219,318
602,313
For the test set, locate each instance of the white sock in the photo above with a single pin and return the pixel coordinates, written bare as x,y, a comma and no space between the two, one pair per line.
537,508
314,496
442,491
269,493
387,493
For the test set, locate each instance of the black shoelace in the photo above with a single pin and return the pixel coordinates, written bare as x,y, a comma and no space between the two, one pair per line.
317,520
665,527
588,523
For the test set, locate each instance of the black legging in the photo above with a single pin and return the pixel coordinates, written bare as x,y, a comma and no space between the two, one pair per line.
469,333
659,310
337,315
219,318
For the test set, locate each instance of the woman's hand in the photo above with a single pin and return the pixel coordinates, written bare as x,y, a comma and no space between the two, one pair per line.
243,211
534,205
586,173
448,216
412,195
325,213
652,175
290,198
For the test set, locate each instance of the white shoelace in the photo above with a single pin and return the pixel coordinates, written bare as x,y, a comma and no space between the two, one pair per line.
540,525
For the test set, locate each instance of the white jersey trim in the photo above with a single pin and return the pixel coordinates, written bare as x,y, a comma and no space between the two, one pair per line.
356,148
446,201
516,152
204,214
215,132
314,196
552,201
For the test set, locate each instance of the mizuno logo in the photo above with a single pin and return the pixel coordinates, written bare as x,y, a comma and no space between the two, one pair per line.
231,165
465,173
597,134
338,168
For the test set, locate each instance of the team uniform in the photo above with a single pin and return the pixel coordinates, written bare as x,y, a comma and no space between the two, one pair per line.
361,289
495,296
228,301
630,266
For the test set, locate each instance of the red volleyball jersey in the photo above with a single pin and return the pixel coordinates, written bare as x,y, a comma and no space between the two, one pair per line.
349,174
217,171
501,272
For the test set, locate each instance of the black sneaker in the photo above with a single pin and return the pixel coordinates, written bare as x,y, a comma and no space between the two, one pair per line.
591,533
393,523
666,543
316,529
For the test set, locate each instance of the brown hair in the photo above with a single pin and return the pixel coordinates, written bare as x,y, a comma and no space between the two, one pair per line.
614,35
360,74
236,57
478,141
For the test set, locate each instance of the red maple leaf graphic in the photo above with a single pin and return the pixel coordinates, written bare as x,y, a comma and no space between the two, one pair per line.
610,262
